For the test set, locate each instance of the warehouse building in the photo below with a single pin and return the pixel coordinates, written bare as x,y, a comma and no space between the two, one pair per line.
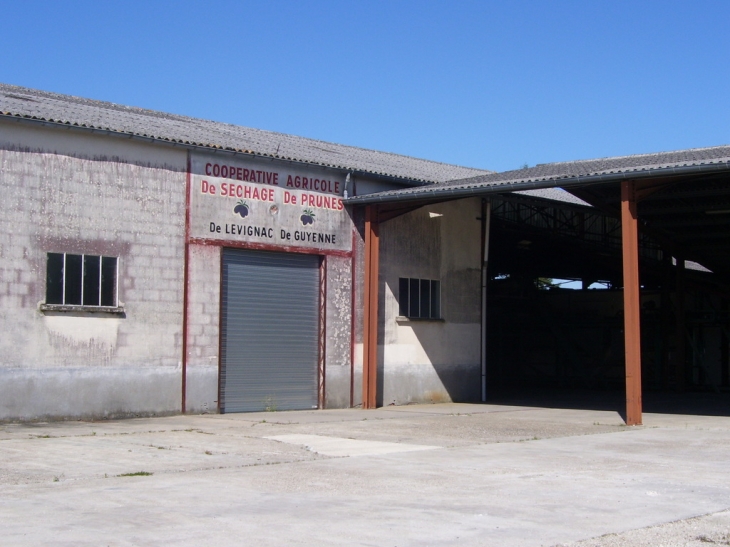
153,264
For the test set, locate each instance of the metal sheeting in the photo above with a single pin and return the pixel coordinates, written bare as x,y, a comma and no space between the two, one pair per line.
269,331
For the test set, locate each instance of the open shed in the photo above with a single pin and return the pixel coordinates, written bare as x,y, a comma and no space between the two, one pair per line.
653,230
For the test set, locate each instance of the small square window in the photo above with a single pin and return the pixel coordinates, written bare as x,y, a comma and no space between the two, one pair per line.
419,298
81,280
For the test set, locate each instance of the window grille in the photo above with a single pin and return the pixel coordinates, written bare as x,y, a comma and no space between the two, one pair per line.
81,280
419,298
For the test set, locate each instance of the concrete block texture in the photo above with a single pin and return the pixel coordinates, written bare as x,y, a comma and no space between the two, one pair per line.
204,288
431,360
338,352
82,194
88,393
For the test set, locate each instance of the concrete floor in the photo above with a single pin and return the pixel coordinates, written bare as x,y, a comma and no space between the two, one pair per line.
449,474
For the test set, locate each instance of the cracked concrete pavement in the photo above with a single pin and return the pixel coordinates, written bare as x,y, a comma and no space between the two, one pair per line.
446,474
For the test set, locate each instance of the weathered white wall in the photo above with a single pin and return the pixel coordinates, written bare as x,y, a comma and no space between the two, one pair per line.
204,289
65,191
423,361
83,193
338,338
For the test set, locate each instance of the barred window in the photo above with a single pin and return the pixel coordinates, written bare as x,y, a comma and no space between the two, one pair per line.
81,280
419,298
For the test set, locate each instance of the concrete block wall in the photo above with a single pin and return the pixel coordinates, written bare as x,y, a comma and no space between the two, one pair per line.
429,360
339,328
204,289
67,191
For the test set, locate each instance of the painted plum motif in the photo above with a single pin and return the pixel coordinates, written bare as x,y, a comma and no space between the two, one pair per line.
307,217
241,209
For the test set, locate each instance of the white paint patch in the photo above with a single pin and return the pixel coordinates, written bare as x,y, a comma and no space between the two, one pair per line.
337,446
84,330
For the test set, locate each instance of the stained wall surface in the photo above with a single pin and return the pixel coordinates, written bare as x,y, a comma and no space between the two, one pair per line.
431,360
203,331
64,191
67,191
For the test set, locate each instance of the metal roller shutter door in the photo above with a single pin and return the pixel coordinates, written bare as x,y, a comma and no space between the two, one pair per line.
269,331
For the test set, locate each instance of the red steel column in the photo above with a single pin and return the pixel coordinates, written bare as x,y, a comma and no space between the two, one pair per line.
370,319
632,304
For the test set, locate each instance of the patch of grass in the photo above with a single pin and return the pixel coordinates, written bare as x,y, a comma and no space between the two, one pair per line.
137,474
270,404
721,541
208,452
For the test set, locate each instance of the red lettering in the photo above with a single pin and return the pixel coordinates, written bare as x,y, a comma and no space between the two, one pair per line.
327,202
258,175
247,192
298,181
239,173
276,179
207,169
216,170
289,181
337,187
239,191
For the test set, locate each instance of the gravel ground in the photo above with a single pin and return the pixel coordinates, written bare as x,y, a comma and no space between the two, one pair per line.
703,531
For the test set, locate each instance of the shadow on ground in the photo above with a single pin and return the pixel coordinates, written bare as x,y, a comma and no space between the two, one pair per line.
690,403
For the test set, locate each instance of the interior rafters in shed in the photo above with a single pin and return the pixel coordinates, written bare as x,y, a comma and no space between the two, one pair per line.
543,335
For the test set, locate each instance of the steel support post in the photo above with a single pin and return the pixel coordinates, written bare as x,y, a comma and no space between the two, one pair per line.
681,362
724,345
486,226
370,319
632,302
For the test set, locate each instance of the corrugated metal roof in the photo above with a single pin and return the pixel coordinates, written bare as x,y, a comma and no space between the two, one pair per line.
569,173
21,102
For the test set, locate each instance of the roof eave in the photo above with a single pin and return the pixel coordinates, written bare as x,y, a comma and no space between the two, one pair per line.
438,193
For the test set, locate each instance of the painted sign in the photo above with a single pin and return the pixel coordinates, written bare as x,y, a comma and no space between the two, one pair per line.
262,202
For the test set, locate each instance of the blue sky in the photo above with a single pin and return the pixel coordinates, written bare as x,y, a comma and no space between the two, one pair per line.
485,84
